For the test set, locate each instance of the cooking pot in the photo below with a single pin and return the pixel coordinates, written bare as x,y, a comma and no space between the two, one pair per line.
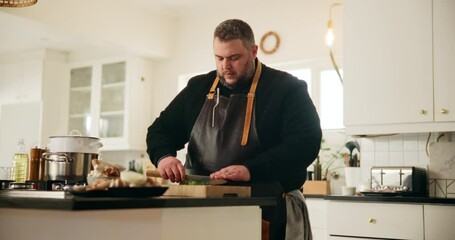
72,167
69,157
74,143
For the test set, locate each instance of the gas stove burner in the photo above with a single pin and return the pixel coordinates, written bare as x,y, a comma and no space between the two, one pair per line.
20,186
59,185
4,184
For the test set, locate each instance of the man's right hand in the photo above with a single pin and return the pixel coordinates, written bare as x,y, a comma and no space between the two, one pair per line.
171,168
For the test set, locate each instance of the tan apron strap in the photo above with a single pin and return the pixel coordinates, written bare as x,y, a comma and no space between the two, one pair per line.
249,105
212,89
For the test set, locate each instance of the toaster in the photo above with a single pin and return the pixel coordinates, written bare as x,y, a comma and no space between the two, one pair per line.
406,181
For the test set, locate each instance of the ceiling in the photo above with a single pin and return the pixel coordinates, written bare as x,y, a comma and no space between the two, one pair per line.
34,35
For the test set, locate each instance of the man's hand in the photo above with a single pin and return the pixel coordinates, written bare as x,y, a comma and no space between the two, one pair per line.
171,168
233,173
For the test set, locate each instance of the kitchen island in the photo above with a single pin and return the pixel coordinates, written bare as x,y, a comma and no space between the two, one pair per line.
165,217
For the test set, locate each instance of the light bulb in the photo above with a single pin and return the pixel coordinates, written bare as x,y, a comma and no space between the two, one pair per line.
329,37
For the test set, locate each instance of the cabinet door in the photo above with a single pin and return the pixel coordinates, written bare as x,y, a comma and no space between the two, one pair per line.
80,109
388,77
112,100
375,220
317,209
444,62
439,222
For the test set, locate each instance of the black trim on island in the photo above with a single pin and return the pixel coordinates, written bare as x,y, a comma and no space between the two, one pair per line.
84,203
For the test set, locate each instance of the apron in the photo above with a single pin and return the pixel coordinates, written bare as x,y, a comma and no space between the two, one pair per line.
224,123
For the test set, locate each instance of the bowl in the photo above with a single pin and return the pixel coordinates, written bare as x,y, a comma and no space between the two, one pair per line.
347,191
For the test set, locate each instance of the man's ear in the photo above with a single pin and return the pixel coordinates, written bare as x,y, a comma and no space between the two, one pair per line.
255,50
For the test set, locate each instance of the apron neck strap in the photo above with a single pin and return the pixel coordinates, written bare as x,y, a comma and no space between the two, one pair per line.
249,105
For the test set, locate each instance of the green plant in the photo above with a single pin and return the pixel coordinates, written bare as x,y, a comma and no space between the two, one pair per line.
325,160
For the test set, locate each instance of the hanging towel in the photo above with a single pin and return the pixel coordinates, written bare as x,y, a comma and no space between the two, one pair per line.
298,224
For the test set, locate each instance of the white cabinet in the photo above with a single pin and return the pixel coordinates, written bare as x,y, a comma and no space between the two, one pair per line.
111,99
439,222
444,62
317,209
388,66
348,220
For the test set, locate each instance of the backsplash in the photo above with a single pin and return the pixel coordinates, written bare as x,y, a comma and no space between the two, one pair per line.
405,150
392,150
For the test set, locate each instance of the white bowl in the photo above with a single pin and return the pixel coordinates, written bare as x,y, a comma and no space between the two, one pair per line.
347,191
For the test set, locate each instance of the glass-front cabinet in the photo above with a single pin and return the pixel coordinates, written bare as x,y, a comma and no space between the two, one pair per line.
80,99
104,101
112,105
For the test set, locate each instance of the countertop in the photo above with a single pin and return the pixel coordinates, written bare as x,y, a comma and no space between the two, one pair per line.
71,203
395,199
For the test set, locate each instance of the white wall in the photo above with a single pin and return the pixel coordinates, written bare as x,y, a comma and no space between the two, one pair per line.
301,25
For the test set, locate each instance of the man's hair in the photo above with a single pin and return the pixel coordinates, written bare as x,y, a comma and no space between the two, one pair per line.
235,29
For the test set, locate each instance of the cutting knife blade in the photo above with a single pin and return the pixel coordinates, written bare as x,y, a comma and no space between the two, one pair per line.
192,179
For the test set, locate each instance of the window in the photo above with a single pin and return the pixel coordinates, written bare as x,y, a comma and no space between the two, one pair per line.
325,90
331,100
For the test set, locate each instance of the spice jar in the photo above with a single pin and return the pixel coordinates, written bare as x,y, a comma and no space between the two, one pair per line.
35,157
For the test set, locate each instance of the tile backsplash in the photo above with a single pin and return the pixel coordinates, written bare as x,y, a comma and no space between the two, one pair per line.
391,150
400,150
394,150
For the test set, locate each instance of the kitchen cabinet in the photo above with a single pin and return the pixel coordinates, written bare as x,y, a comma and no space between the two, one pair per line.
439,222
317,209
347,220
111,99
444,63
390,48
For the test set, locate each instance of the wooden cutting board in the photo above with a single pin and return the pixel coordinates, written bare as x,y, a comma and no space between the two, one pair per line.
208,191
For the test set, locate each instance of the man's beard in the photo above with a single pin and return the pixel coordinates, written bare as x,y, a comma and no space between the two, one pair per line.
243,80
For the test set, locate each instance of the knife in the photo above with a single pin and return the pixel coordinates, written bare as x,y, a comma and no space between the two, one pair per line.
191,179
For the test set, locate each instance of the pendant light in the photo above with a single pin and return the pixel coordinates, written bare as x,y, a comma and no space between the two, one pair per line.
330,37
17,3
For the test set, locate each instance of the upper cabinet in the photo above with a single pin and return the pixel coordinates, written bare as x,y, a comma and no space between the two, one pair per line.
111,99
444,63
396,66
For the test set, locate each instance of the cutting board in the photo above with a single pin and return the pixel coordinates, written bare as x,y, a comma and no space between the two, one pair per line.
208,191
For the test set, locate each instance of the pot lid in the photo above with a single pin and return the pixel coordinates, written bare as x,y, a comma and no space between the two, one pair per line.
74,134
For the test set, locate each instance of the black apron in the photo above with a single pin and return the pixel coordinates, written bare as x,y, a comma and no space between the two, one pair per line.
225,131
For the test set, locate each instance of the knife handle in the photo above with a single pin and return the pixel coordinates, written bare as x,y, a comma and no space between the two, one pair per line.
153,173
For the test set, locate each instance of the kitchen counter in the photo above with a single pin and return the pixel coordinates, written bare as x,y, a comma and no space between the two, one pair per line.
394,199
71,203
164,217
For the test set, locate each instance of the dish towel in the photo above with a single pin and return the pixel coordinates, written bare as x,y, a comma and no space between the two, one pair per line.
298,224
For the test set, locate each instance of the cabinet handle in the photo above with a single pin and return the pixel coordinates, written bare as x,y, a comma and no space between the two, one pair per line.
444,111
371,220
423,112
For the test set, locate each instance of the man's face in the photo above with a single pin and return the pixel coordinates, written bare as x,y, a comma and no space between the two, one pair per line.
234,62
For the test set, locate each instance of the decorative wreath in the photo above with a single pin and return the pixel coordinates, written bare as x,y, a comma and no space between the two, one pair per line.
277,42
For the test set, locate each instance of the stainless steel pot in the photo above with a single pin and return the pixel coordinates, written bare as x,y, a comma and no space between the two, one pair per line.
67,166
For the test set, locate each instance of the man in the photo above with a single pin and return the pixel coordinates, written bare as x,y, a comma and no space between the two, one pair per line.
244,122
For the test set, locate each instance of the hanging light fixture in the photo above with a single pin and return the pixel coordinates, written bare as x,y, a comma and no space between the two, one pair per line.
330,37
17,3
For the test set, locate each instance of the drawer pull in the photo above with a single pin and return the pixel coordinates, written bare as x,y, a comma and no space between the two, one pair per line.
423,112
444,111
372,220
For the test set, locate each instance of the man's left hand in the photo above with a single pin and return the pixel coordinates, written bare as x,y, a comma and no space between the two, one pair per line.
233,173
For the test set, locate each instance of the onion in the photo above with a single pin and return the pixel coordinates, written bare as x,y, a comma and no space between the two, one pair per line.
133,178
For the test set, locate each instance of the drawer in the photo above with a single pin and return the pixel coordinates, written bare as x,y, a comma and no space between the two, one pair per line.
375,220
